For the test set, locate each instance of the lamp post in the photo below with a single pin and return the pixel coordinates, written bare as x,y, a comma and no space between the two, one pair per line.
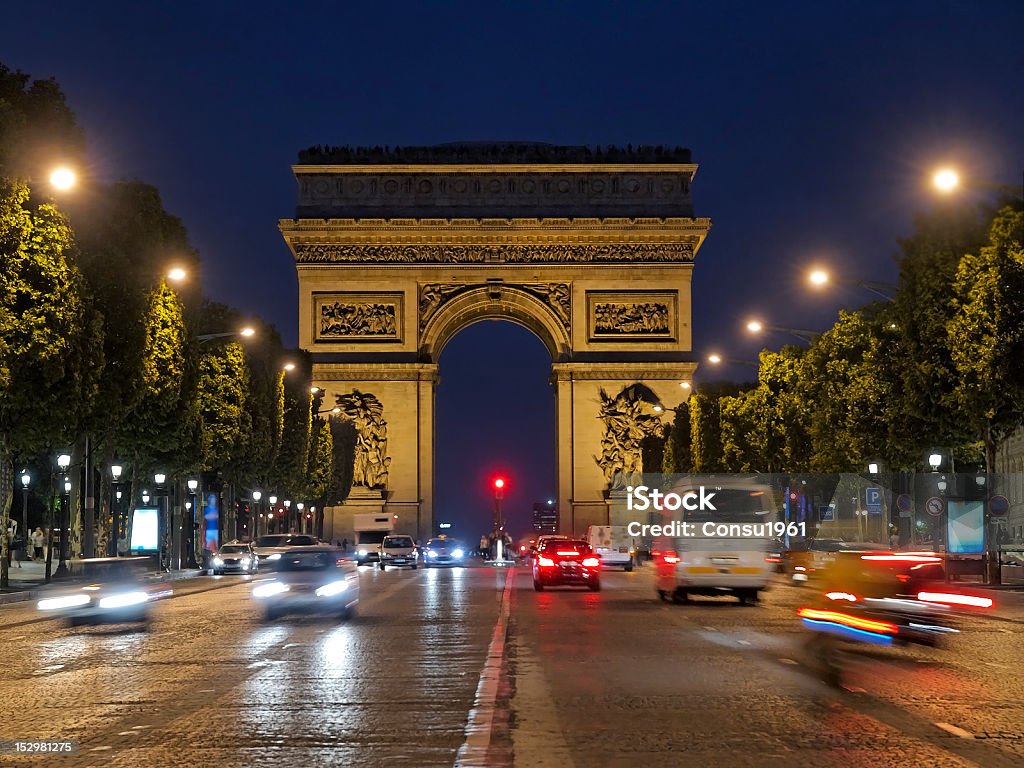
192,507
26,479
256,516
819,278
756,326
272,500
163,525
246,332
299,506
115,509
63,462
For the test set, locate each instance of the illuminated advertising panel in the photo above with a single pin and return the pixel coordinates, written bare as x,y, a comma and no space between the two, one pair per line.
145,529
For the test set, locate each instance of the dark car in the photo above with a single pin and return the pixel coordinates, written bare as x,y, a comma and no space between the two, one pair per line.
569,562
270,548
443,551
317,580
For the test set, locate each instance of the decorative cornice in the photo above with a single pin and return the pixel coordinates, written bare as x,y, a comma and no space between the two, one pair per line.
653,223
493,153
558,253
387,169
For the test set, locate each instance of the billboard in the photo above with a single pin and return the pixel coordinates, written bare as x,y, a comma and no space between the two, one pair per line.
211,521
145,529
966,526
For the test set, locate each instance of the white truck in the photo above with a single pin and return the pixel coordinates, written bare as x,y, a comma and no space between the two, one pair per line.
370,531
613,544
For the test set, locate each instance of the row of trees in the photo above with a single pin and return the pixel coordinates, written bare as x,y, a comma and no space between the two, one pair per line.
941,366
97,349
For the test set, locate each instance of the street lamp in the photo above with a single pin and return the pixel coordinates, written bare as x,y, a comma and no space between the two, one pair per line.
115,511
63,178
716,359
246,332
756,326
63,462
256,496
192,507
299,506
289,367
26,479
819,278
335,410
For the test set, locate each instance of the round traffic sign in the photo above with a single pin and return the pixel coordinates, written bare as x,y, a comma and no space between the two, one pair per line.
999,505
904,503
935,506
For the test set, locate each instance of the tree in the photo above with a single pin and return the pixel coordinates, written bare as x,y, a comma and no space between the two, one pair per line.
986,335
706,425
781,411
221,394
321,467
292,463
43,326
677,457
741,446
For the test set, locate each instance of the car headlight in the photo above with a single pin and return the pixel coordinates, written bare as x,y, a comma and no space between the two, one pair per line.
218,561
244,560
362,553
431,553
124,600
67,601
269,589
275,556
457,553
334,588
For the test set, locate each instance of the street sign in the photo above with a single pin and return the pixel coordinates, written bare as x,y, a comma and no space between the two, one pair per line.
904,504
999,505
873,499
828,514
935,506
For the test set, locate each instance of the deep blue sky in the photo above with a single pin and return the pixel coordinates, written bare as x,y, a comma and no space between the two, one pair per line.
814,125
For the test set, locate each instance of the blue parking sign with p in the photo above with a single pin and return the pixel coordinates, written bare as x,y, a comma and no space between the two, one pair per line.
873,498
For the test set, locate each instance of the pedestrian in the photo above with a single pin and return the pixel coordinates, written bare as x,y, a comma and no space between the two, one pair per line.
344,545
894,540
122,545
10,546
37,543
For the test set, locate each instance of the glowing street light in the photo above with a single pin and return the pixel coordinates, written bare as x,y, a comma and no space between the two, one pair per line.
820,278
289,366
63,178
946,180
246,332
177,274
716,359
756,326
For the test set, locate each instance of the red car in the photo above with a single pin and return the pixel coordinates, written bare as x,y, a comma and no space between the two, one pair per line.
561,562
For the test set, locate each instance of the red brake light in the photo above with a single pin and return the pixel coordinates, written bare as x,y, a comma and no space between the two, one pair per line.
522,547
591,562
567,552
903,576
952,598
903,558
856,622
545,562
671,557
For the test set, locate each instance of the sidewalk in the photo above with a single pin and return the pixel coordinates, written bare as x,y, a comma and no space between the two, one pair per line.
28,581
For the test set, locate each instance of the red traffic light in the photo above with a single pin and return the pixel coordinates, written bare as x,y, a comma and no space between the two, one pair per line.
499,483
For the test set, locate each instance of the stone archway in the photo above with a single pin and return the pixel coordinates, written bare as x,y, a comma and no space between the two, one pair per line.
396,252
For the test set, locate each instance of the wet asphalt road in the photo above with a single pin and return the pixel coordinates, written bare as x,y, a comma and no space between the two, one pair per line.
421,677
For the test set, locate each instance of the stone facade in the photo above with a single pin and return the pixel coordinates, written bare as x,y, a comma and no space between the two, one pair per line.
595,258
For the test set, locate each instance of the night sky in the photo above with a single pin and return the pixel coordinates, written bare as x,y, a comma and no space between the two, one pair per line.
814,124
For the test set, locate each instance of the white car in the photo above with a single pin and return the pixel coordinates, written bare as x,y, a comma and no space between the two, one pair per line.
310,580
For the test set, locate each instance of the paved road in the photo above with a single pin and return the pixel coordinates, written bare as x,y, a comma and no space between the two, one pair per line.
472,667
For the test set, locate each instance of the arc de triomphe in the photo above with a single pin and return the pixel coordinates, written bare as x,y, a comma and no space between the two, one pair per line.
592,251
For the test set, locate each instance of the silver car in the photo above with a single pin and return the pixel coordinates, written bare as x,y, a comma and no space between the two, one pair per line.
317,580
398,550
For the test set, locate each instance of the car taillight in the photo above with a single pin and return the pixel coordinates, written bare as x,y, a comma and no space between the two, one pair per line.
591,562
671,557
771,559
567,553
545,562
953,598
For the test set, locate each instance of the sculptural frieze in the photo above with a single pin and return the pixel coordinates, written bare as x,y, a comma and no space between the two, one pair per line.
555,253
339,319
633,318
629,418
372,462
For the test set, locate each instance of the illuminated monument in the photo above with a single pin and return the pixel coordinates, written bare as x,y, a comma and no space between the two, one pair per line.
592,250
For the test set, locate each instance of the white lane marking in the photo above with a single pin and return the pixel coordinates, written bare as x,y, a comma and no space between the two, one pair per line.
100,749
955,731
853,689
789,661
473,751
710,629
537,740
140,727
128,733
743,642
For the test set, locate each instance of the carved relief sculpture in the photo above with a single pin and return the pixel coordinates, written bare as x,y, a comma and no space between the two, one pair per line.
632,318
558,253
628,418
371,460
341,319
558,296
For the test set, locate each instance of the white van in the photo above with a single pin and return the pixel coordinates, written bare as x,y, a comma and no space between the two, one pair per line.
613,544
712,560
